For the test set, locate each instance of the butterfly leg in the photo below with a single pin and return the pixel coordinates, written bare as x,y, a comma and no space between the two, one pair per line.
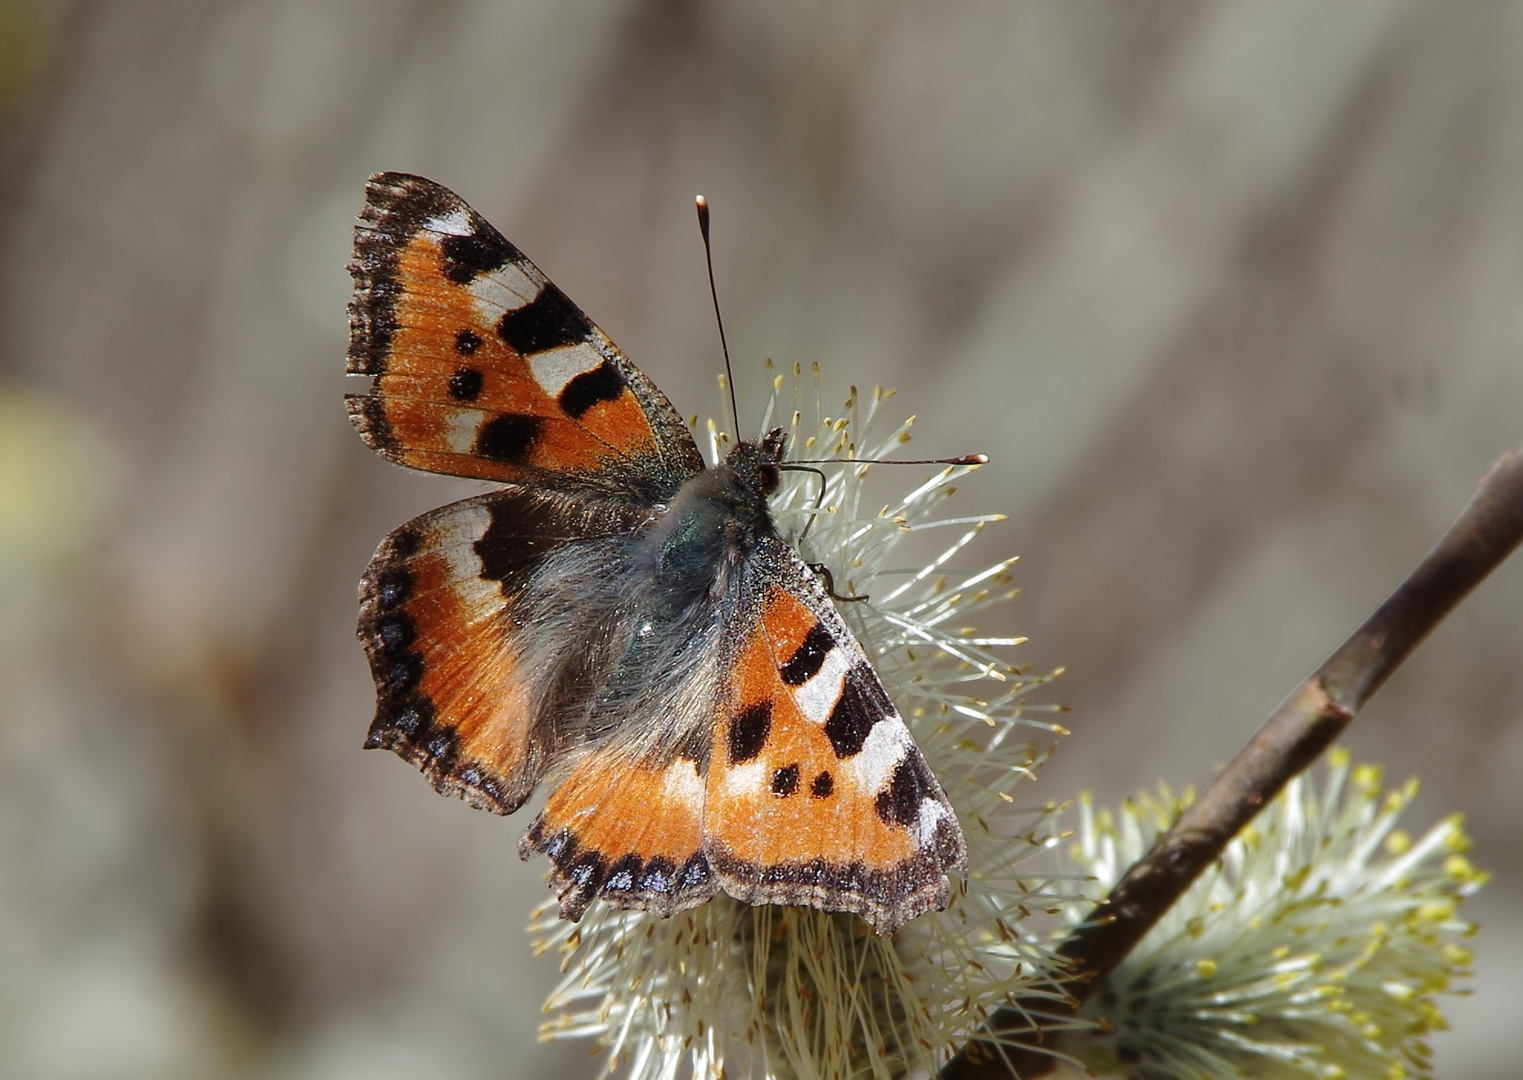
830,583
819,499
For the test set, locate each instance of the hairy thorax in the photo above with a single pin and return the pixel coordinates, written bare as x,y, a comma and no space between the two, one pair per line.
716,520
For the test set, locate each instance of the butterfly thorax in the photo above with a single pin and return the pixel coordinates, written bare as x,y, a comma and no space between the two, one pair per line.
716,519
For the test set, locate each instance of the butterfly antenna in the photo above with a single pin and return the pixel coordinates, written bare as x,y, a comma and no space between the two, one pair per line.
708,257
965,459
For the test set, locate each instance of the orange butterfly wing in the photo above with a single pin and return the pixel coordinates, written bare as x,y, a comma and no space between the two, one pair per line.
483,368
459,691
628,830
816,792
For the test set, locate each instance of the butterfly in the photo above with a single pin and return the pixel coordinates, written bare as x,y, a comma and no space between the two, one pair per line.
618,622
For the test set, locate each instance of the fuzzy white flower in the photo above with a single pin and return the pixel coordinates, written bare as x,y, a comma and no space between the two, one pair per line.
737,991
1312,950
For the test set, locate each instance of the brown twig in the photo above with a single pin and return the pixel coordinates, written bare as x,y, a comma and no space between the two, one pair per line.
1315,713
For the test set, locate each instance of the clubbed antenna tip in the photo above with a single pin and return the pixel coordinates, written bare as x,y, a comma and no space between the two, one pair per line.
702,206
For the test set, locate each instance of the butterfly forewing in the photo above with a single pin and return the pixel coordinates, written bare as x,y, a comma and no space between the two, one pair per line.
483,368
816,792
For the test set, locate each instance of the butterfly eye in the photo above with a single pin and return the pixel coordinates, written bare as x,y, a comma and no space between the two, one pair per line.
774,444
768,478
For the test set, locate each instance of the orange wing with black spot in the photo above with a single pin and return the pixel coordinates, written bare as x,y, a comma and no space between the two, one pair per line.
468,673
484,369
629,831
808,788
816,792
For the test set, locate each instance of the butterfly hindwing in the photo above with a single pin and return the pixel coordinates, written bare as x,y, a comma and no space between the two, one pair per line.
463,687
628,830
816,792
483,368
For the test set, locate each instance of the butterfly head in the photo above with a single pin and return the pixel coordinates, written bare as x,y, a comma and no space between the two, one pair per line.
755,464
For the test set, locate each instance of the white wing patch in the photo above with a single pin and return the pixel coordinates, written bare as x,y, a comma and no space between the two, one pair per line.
818,695
931,813
505,289
463,424
454,223
554,368
886,746
682,783
457,543
742,781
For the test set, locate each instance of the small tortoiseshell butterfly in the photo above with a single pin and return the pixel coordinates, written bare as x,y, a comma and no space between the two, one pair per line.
618,620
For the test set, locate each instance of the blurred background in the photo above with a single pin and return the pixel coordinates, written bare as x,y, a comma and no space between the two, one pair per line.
1229,292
